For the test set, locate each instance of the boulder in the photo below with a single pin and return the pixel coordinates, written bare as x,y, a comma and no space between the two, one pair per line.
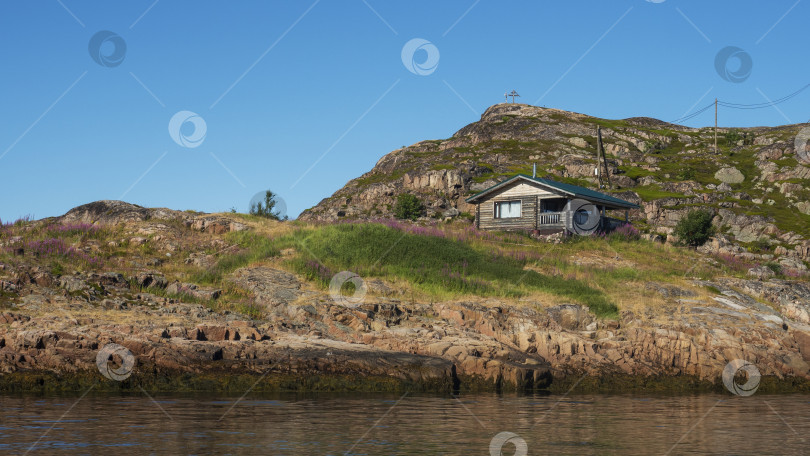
72,284
193,290
268,285
570,316
729,175
761,272
215,224
151,280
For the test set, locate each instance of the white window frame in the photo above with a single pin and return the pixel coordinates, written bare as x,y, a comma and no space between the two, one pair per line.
497,213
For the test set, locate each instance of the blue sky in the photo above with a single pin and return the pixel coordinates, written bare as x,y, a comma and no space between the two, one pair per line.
301,96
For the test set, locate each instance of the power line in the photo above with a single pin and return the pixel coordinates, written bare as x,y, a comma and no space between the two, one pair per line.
763,105
730,105
694,114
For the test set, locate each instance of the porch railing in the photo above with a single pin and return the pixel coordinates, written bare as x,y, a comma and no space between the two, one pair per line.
549,218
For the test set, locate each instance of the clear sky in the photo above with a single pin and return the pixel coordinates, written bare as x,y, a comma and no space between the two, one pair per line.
301,96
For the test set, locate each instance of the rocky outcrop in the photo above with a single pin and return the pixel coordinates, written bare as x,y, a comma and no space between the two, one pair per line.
674,168
215,224
269,286
111,212
262,322
464,345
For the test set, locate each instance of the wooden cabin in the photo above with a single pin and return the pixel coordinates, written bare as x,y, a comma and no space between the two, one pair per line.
524,203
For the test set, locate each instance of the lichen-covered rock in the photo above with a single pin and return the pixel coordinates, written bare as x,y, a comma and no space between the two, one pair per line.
191,289
729,175
112,212
269,286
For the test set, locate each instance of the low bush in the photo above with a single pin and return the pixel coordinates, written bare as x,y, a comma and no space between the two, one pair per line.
408,207
695,228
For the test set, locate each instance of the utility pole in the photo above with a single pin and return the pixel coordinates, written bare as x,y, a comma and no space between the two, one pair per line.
601,159
598,156
715,125
604,158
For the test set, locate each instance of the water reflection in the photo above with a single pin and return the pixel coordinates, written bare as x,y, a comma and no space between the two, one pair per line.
385,424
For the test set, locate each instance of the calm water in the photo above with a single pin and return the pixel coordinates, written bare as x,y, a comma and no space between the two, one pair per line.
374,424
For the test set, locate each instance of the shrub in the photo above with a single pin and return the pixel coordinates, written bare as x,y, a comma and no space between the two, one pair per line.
775,267
686,174
408,207
695,228
760,246
733,137
466,216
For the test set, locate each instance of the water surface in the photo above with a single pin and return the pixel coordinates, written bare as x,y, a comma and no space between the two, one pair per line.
386,424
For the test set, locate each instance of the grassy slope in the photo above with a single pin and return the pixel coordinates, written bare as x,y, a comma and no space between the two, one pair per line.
455,261
440,262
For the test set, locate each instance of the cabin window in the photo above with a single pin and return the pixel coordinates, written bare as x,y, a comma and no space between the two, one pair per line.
507,209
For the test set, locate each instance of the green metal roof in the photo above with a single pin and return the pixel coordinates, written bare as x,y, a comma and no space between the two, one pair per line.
573,190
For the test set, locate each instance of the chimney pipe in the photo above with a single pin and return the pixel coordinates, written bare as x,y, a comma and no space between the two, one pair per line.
534,171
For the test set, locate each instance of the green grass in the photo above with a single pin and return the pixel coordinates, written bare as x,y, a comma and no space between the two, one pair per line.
255,247
653,192
376,178
635,172
435,265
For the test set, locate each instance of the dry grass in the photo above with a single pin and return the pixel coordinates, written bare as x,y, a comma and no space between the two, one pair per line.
619,270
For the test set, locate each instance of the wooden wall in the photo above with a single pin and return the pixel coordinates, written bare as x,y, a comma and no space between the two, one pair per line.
526,221
528,194
522,188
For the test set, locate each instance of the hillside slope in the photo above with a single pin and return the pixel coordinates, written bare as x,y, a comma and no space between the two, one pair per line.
230,302
756,183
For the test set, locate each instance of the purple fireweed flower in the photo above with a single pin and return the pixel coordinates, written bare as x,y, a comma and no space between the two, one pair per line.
54,247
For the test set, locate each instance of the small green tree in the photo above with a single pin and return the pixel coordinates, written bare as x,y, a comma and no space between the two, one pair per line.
408,207
695,228
267,208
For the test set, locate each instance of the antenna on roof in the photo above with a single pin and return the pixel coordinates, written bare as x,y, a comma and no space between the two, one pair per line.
513,95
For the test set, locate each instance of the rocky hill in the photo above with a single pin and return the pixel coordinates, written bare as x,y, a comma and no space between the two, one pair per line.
121,297
756,183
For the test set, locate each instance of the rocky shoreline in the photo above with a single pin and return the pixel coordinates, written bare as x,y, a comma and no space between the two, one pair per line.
391,345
